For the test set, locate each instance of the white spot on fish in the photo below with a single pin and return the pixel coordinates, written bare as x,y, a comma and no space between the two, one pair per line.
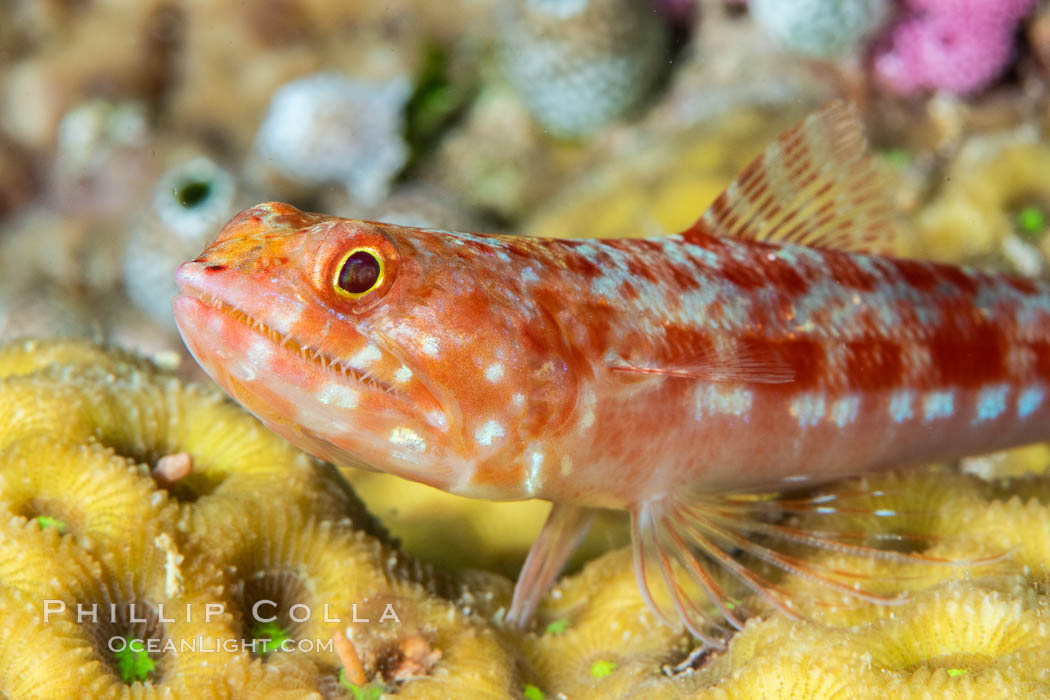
809,409
588,403
338,395
566,465
1029,400
844,411
365,357
259,353
938,404
489,432
402,374
529,275
406,437
901,405
518,399
712,400
429,345
494,372
283,317
533,480
991,402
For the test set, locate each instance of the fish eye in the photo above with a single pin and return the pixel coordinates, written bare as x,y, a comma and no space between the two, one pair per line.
360,272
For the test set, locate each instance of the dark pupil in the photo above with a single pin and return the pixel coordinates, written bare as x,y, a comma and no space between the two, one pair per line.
360,273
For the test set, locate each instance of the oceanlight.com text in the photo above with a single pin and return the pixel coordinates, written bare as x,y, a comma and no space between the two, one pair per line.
204,645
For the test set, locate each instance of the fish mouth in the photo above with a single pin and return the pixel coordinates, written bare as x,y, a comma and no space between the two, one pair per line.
314,356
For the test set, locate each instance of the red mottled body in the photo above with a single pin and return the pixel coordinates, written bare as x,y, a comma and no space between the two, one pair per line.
756,346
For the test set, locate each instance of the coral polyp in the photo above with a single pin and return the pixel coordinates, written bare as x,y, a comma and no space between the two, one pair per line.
330,127
958,627
85,490
580,65
820,28
956,45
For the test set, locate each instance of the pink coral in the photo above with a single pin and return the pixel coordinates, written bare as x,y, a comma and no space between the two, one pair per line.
954,45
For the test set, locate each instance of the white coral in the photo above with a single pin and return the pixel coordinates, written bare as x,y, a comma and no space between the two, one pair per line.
327,127
821,28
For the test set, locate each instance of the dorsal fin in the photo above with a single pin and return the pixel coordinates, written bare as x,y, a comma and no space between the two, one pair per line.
815,185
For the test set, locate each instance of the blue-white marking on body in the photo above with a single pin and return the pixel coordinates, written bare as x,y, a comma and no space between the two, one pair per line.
901,405
712,400
938,404
844,411
1030,400
991,402
809,409
703,256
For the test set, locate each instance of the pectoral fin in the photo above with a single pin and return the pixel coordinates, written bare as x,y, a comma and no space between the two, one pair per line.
706,560
747,362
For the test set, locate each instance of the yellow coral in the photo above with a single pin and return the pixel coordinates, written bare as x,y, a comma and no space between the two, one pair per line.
39,561
594,632
956,627
145,416
253,520
664,187
1009,524
799,675
986,185
347,581
86,490
31,355
29,645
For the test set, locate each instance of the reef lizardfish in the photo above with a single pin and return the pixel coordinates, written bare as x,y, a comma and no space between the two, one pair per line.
662,376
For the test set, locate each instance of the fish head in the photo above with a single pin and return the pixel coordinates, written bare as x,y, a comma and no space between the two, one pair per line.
378,346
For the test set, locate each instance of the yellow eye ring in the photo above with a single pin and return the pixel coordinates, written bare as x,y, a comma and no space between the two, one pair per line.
359,272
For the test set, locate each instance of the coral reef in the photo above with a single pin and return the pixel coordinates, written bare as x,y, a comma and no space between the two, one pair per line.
87,520
579,65
660,187
820,28
954,45
190,201
101,166
985,633
83,60
92,511
119,483
495,160
994,196
327,127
